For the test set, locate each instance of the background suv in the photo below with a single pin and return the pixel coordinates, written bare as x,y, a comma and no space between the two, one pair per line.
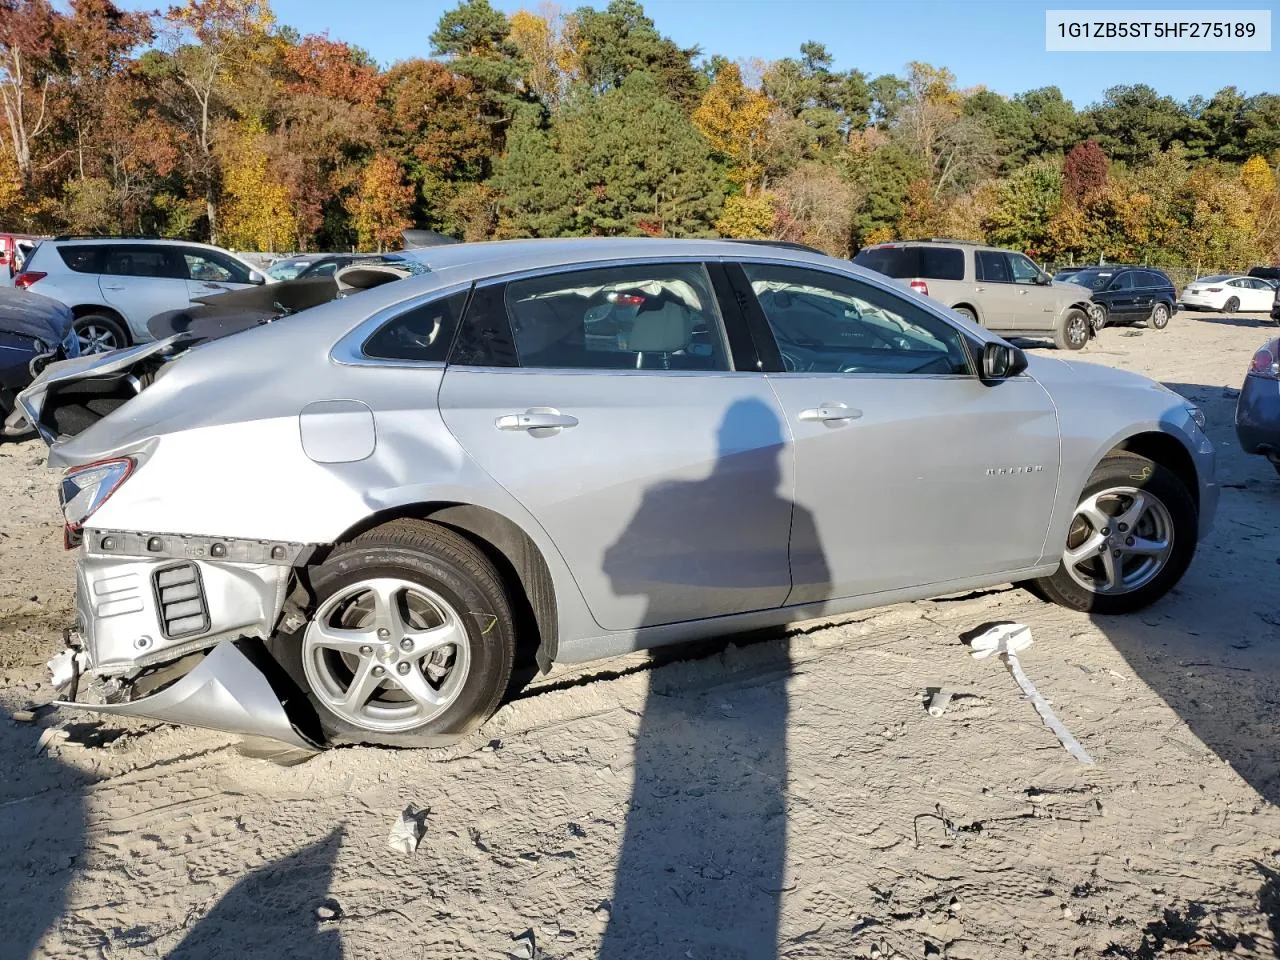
114,286
1128,295
1003,290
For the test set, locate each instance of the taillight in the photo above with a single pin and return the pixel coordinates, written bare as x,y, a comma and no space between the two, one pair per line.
27,278
85,489
1265,363
920,287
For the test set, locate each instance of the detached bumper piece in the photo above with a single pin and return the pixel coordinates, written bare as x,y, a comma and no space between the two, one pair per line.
225,691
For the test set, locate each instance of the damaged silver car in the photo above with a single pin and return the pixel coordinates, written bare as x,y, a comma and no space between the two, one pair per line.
346,525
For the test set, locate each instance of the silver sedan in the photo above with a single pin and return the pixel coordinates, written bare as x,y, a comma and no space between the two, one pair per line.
345,525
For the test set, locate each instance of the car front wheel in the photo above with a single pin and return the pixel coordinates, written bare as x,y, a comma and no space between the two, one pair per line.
1097,316
1073,331
411,641
1132,536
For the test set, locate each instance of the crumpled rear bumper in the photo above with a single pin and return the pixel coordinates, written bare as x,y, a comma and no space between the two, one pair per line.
136,617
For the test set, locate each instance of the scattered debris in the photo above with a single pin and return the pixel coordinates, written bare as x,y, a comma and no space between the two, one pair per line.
938,701
24,716
525,946
328,914
1005,640
408,831
50,736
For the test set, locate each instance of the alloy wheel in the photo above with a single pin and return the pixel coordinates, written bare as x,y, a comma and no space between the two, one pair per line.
1077,331
1160,316
1097,316
386,654
1119,541
96,339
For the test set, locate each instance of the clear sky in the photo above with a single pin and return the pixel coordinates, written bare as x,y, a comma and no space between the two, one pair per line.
997,43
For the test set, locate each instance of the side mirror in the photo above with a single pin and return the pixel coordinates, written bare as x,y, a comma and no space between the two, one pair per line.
256,278
1043,279
1000,361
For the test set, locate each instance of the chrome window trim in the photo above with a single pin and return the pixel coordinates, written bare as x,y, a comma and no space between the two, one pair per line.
349,350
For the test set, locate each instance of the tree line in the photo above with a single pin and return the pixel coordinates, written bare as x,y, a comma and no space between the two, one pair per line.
212,121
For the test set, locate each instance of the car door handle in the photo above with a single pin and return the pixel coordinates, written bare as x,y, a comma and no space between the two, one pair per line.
107,286
536,418
830,413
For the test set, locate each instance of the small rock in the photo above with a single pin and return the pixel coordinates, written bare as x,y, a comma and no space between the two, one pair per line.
525,947
567,935
329,910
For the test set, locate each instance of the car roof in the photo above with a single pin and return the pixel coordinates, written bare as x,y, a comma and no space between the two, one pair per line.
134,241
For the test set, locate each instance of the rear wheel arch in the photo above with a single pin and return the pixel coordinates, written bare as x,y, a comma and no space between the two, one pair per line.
968,308
520,563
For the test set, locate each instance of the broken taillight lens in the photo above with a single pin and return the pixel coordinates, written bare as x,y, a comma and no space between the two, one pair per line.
25,279
85,489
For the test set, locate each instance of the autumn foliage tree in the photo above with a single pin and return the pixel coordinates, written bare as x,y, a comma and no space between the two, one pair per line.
381,205
1084,171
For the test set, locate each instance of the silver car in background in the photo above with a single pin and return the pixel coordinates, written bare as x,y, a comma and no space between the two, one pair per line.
345,525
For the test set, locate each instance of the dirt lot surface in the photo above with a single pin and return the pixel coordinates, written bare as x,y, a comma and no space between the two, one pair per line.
788,797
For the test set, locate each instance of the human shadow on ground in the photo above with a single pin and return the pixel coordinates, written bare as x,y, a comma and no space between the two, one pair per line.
271,911
701,870
1211,648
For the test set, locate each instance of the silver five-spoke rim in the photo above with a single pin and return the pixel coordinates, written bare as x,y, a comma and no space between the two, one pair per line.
95,339
1119,540
386,654
1077,330
1096,316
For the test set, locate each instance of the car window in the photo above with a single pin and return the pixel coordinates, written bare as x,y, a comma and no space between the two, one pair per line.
992,266
1022,268
1153,279
925,262
421,334
1121,281
660,316
82,259
326,269
286,269
827,323
151,261
214,267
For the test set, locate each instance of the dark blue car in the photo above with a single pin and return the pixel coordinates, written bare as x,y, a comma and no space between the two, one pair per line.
1258,409
34,332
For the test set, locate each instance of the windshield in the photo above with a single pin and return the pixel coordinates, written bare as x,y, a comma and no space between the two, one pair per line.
1093,279
287,269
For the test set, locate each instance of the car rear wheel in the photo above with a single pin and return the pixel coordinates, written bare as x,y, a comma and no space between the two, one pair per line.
1073,330
412,639
1097,316
1133,535
966,313
99,333
1159,318
1232,305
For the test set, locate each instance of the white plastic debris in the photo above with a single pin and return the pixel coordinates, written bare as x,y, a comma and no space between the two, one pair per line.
938,702
407,832
1005,640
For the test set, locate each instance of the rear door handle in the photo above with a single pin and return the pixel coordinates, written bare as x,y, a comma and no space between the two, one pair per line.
106,286
537,419
830,413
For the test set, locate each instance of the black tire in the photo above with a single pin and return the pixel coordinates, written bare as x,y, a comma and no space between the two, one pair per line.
453,568
1097,316
1232,305
966,313
1159,318
1072,332
101,333
1127,470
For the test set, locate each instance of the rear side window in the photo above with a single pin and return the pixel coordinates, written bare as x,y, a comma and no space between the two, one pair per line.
993,266
932,263
82,259
1152,279
660,316
420,334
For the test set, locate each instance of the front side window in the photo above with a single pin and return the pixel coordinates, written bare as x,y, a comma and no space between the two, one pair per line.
1023,269
213,267
993,266
660,316
1122,282
828,323
421,334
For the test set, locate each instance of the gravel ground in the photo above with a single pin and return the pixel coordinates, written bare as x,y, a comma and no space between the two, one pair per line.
788,797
